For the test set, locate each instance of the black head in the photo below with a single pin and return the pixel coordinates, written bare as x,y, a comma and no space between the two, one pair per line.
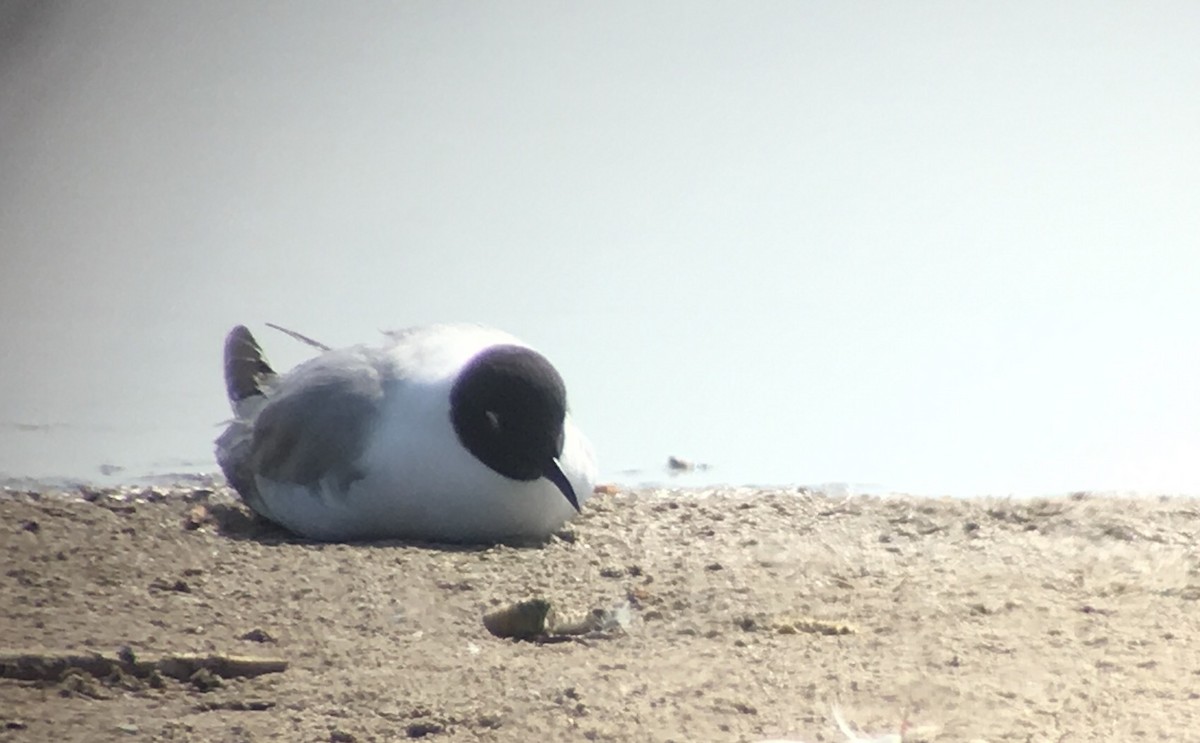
508,407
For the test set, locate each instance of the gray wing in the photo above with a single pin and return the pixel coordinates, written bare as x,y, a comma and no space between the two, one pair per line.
314,425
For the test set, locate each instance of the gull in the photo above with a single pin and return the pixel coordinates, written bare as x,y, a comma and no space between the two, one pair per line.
443,433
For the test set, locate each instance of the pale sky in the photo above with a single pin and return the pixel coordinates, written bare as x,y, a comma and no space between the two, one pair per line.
936,247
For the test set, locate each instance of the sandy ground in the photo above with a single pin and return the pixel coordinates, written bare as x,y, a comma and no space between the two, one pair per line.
740,615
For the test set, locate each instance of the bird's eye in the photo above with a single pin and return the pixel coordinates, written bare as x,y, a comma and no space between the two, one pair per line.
493,419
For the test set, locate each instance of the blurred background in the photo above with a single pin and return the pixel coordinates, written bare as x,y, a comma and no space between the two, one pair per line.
936,247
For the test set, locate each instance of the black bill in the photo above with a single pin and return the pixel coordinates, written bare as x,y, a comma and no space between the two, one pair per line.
554,474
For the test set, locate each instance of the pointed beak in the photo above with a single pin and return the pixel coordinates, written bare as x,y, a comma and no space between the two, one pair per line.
554,474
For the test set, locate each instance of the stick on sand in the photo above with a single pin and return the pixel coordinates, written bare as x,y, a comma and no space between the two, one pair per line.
36,665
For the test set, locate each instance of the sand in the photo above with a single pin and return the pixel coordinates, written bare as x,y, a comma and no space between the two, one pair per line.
731,615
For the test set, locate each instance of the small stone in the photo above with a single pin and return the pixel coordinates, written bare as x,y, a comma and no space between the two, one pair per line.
679,464
126,655
204,680
128,728
31,526
153,495
341,736
639,596
258,635
76,682
566,535
423,728
491,722
91,495
196,517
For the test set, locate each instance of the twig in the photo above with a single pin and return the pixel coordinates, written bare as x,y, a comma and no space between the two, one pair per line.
33,665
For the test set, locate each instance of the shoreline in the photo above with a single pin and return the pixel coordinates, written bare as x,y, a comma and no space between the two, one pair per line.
182,483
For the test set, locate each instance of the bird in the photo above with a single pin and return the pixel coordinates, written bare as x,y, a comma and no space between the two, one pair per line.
452,433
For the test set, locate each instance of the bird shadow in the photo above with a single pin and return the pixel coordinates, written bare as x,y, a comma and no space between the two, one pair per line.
237,522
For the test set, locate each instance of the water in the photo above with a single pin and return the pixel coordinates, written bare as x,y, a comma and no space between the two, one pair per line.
801,243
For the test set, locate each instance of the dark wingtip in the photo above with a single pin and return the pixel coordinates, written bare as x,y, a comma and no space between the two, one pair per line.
245,367
554,474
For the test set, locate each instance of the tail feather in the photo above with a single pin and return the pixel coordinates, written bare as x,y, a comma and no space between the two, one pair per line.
247,374
299,337
246,369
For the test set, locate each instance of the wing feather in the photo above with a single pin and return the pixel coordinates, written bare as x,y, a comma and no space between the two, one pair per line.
318,419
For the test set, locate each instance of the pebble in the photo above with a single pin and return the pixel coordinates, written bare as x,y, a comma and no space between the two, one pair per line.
258,635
